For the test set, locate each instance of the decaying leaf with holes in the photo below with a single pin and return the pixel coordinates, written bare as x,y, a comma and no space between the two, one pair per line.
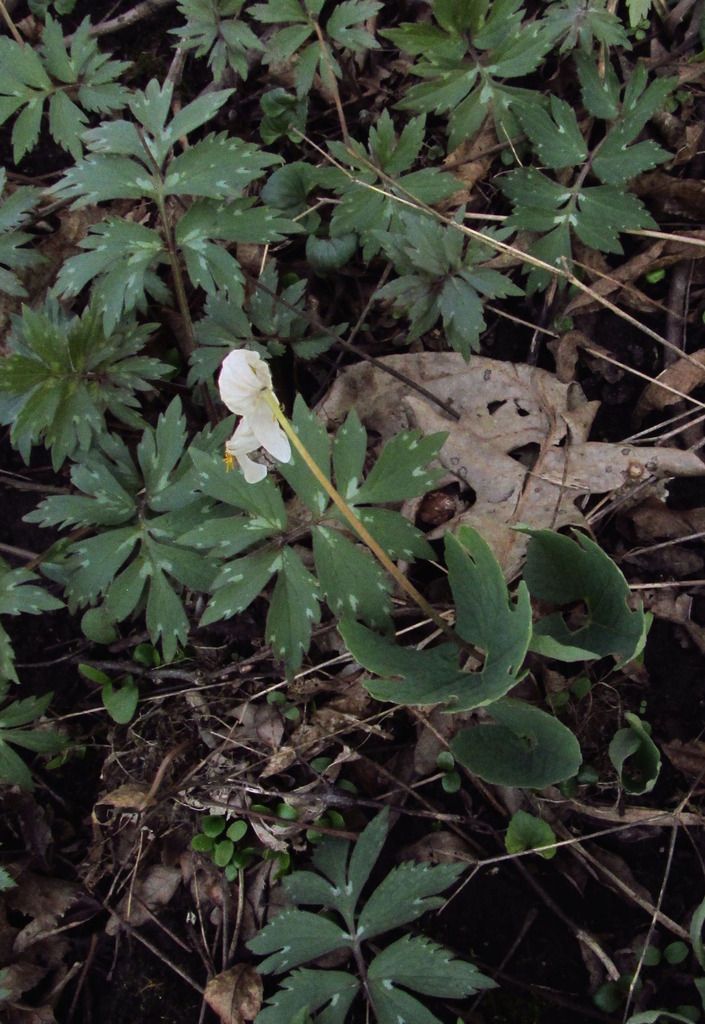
520,446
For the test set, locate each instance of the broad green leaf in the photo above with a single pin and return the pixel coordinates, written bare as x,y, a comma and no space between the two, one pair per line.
556,137
563,571
653,1016
293,611
400,472
486,618
406,893
527,832
426,967
239,583
635,756
365,854
526,748
297,474
600,90
349,450
262,500
399,538
121,700
696,937
351,580
328,254
394,1004
295,937
329,994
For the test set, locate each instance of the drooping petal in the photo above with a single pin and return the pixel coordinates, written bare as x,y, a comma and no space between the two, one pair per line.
268,433
239,447
253,472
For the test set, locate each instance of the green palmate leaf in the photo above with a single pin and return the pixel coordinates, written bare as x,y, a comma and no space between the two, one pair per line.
487,618
367,210
269,319
577,23
527,832
262,500
14,719
123,257
73,80
563,571
617,159
464,60
329,994
62,375
284,115
293,611
148,504
337,884
526,748
596,214
13,256
213,29
343,30
138,163
635,756
352,581
441,278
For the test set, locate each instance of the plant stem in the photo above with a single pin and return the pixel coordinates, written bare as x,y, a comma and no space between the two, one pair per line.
5,14
353,521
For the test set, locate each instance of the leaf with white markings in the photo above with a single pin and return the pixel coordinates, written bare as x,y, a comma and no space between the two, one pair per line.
62,376
441,277
73,79
19,594
293,611
214,29
13,256
136,560
362,590
337,883
342,31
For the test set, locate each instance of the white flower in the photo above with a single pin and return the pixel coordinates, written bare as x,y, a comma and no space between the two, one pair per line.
239,447
245,385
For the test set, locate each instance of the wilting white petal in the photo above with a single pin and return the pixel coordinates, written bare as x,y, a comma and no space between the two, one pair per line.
244,379
269,434
239,447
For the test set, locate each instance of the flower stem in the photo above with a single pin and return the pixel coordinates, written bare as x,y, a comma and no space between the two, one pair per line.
353,521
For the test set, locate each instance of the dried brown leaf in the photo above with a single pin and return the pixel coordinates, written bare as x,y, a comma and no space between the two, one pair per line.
683,376
504,408
235,995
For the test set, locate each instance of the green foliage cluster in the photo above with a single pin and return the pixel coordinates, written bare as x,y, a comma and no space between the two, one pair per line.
161,531
411,964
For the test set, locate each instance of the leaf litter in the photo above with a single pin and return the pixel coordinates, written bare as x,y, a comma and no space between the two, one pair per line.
505,407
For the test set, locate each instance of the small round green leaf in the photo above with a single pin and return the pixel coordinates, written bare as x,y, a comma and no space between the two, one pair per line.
223,852
236,830
213,825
